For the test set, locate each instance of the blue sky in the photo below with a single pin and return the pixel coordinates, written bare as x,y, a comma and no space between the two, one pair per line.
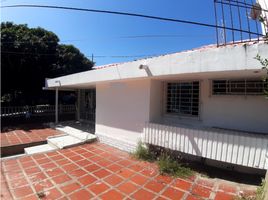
111,35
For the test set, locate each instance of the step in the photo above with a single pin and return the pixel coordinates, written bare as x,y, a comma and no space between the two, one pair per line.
64,141
39,149
82,135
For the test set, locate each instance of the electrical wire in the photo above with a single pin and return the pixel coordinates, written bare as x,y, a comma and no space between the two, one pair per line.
127,14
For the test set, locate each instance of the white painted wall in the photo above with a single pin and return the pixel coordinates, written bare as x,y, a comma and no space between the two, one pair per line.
122,108
231,112
248,113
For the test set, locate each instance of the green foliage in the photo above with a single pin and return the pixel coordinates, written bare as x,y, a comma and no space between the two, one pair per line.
143,153
259,194
171,167
260,191
264,63
29,55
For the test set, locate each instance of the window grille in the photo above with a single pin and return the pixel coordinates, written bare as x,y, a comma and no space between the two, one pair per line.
238,87
183,98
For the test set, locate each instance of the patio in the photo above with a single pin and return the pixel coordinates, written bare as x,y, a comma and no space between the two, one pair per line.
98,171
14,140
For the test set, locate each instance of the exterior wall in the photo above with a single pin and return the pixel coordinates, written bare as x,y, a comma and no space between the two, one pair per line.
248,113
122,108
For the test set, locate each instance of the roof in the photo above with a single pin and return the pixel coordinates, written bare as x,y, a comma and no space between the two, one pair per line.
202,48
206,59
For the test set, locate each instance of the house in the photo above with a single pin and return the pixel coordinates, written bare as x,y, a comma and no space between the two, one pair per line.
206,102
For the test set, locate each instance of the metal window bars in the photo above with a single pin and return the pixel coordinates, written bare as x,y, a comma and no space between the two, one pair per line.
239,21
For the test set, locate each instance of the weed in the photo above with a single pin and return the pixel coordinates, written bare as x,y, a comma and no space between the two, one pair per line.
142,152
169,166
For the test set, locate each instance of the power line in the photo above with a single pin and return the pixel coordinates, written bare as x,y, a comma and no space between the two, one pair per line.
119,37
127,14
89,56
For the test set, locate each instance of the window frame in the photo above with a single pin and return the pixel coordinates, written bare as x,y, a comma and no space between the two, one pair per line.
180,115
228,92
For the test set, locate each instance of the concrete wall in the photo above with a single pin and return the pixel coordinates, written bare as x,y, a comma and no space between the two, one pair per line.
122,107
248,113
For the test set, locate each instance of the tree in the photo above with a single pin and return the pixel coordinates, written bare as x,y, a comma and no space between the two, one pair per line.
28,56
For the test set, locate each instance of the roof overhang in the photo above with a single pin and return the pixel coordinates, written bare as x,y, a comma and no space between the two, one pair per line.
227,58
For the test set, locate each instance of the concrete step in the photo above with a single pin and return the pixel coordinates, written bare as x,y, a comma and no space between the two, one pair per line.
82,135
39,149
64,141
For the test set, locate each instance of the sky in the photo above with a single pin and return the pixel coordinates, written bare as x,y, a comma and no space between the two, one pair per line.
113,38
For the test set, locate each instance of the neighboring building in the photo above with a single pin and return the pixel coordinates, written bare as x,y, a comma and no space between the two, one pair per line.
206,102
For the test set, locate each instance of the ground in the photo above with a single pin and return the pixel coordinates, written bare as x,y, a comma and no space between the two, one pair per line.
99,171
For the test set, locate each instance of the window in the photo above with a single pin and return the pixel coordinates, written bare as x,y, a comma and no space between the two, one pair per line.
183,98
238,87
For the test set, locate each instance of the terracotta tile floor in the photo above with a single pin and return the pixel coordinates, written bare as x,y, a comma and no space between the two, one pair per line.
98,171
25,135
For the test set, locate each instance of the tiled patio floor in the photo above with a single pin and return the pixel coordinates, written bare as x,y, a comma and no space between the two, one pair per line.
25,135
98,171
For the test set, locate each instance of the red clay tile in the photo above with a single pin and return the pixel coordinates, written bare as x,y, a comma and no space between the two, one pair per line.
54,172
80,195
92,168
69,167
139,179
201,191
142,194
43,161
22,191
154,186
52,194
95,158
86,180
192,197
126,173
76,158
31,197
49,165
114,167
112,195
29,164
77,173
62,162
149,172
125,162
173,193
33,170
113,179
98,187
42,185
57,157
224,196
70,187
127,187
83,163
37,177
164,179
182,184
18,183
104,163
101,173
61,179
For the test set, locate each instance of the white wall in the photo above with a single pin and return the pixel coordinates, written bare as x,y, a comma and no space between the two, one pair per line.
248,113
231,112
122,108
